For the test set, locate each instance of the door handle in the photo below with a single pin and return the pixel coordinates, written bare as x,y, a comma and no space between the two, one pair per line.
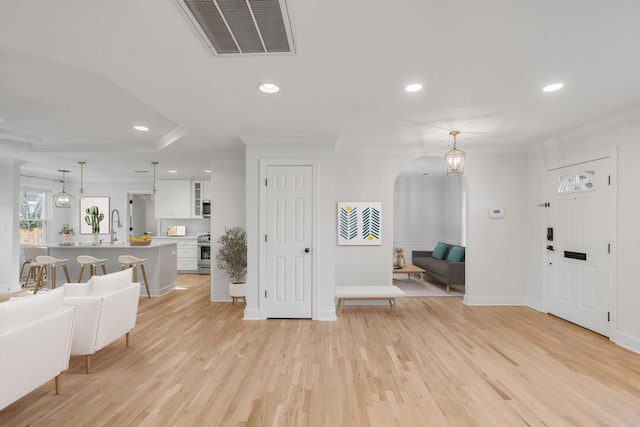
307,250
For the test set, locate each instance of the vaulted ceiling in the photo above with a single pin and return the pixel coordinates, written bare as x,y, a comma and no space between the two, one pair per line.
76,76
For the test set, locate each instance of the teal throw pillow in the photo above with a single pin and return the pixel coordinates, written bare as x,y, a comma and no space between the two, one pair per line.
456,254
439,251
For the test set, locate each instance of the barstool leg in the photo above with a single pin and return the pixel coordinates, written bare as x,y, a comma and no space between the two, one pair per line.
144,275
104,269
66,272
81,271
40,274
92,269
53,276
135,272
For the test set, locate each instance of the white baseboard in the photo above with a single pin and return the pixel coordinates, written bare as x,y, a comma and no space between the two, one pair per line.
471,300
326,315
627,341
252,314
536,304
8,289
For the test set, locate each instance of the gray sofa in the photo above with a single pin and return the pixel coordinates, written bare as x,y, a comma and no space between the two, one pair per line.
449,273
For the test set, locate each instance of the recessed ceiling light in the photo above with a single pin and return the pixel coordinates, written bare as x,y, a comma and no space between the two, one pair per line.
268,87
413,87
172,171
207,171
552,87
141,128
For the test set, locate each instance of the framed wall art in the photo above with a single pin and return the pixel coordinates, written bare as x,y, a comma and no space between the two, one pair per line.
359,223
95,216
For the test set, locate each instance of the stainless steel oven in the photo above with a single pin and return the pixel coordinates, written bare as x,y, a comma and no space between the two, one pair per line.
204,254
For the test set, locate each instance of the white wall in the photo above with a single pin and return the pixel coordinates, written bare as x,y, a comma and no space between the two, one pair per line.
9,225
227,210
367,179
496,248
625,315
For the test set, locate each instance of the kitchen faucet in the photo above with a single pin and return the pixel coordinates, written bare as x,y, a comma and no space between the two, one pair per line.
114,237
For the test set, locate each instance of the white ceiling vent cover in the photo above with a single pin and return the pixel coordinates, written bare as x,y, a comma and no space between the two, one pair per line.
236,27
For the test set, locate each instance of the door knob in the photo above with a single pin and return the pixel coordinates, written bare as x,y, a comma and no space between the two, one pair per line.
307,250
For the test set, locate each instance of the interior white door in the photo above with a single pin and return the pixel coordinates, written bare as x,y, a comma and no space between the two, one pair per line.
578,251
289,197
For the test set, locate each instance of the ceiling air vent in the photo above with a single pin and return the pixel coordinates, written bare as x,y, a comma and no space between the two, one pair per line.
236,27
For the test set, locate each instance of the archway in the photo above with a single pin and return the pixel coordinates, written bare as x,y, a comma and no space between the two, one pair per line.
429,207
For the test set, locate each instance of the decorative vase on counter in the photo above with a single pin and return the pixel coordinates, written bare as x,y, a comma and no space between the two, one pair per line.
96,239
66,239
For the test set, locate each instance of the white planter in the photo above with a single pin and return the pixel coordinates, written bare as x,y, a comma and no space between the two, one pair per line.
237,290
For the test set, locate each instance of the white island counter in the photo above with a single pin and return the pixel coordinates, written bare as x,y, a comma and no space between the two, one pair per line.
160,264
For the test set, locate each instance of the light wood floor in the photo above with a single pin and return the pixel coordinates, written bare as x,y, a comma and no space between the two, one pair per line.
196,363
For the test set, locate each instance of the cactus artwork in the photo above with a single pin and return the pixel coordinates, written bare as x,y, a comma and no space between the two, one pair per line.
93,218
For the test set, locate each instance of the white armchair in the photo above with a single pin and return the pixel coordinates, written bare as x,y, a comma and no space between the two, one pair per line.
107,307
35,341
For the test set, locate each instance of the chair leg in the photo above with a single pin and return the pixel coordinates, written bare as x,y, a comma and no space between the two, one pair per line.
53,276
126,336
81,271
144,276
66,273
87,363
39,281
22,268
58,383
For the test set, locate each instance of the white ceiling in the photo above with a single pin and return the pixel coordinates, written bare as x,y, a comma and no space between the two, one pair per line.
75,76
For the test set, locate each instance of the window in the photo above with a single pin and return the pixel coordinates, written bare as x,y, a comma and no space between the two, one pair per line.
582,181
33,217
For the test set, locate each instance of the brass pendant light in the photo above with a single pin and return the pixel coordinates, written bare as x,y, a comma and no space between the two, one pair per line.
454,159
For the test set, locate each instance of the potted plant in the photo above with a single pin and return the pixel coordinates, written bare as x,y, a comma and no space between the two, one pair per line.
66,231
232,259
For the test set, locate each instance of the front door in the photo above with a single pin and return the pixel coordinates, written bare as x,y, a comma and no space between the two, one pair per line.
288,241
578,244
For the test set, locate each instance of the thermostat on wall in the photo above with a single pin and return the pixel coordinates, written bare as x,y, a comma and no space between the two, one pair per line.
496,213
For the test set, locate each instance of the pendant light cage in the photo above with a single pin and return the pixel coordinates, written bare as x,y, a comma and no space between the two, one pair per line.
63,199
454,159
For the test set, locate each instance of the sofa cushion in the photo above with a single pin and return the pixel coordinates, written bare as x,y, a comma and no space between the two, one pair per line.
440,250
456,254
102,285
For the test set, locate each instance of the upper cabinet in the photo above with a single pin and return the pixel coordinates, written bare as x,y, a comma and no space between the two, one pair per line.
180,198
173,198
197,195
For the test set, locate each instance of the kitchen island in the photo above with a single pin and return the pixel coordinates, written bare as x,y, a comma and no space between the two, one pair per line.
160,264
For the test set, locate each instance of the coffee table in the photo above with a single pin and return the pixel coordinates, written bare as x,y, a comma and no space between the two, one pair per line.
410,269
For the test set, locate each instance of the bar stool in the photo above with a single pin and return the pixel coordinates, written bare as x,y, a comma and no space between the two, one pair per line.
46,260
131,261
30,255
92,262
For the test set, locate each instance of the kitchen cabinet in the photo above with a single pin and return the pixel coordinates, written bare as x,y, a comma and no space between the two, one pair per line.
197,195
187,253
173,198
207,190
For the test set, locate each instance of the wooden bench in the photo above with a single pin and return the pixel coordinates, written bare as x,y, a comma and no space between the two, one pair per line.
389,293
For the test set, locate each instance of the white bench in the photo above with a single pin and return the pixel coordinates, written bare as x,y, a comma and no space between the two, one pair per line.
389,293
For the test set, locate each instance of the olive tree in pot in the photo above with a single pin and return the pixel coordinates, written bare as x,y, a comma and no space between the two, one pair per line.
232,259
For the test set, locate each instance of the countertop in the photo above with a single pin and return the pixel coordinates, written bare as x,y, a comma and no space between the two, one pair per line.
107,245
